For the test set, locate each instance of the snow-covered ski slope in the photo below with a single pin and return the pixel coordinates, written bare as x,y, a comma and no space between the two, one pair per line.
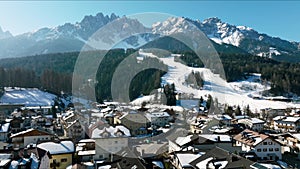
234,93
28,97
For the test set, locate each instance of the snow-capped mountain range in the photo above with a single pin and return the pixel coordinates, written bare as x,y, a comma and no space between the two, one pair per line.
4,35
72,37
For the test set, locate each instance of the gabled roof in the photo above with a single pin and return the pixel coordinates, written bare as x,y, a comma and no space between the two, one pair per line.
111,131
127,160
256,121
63,147
228,160
4,127
250,138
30,132
203,138
181,141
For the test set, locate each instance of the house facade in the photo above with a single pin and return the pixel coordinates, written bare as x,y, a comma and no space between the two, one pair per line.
30,136
136,122
254,124
158,119
109,140
59,154
265,147
287,124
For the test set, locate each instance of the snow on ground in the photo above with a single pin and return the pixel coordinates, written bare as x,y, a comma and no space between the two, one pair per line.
235,93
29,97
252,86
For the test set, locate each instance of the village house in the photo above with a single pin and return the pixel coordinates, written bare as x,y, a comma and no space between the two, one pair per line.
181,160
136,122
74,131
72,126
16,124
209,141
254,124
223,119
56,155
198,124
85,150
30,136
290,142
291,124
220,158
109,140
264,146
158,119
7,109
181,143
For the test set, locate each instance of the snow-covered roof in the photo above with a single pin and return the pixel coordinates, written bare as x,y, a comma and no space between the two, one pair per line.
30,132
105,167
157,115
4,162
297,135
186,158
4,128
105,110
241,117
291,119
250,137
204,162
158,164
99,115
216,137
223,117
68,115
87,141
183,140
38,107
278,118
87,152
112,131
63,147
221,130
4,159
256,121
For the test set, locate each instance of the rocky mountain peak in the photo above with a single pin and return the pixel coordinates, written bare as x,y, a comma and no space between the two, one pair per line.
5,34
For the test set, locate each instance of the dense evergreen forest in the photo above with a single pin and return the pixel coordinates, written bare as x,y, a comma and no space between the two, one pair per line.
53,72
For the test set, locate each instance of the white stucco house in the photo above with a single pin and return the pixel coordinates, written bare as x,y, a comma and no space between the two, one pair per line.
262,145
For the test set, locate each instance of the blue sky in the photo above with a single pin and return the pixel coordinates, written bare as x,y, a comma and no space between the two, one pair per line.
276,18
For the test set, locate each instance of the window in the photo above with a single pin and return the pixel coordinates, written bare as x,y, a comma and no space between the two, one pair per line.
265,143
270,149
270,143
258,150
264,150
276,149
63,160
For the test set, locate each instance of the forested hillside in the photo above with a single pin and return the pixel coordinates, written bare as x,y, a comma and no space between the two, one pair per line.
53,72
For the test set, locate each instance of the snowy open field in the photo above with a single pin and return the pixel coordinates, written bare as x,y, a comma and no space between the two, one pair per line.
29,97
235,93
